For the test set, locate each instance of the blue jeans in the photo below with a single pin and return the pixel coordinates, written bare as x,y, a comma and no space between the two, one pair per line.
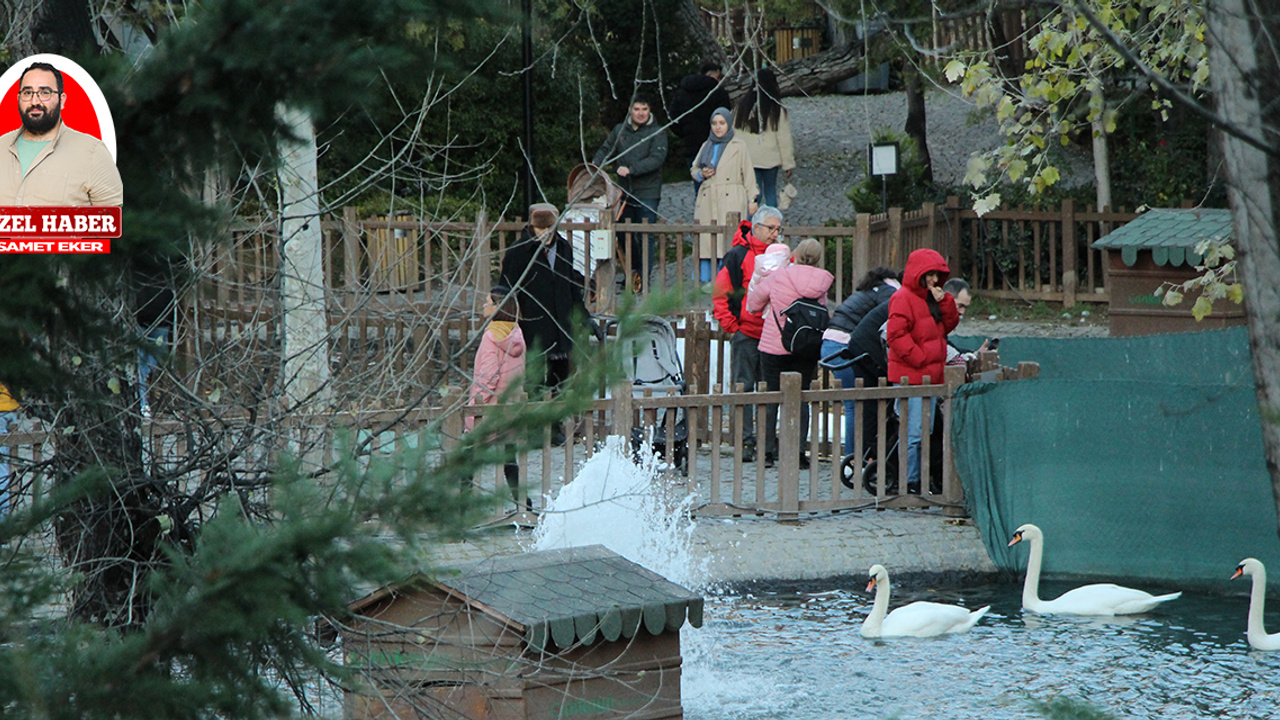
635,210
7,421
745,368
153,344
705,272
767,182
913,426
847,379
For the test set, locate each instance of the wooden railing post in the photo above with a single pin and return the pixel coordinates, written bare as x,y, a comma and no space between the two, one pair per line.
952,490
1068,253
789,446
950,227
622,410
604,271
894,236
481,267
860,253
697,362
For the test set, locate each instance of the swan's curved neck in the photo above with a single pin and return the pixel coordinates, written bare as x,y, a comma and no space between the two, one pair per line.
1257,601
1031,585
878,609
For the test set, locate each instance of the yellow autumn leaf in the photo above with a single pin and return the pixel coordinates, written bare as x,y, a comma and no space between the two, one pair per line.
1235,293
114,386
954,70
1202,308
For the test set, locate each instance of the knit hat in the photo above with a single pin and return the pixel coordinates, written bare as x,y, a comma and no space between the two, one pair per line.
543,215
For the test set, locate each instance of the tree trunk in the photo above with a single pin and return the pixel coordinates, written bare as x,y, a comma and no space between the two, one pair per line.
916,126
1101,160
700,34
1246,80
808,75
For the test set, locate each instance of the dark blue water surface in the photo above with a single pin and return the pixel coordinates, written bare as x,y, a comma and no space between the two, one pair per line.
798,655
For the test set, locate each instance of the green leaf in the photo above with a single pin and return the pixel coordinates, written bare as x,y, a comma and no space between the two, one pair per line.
1235,293
114,385
954,70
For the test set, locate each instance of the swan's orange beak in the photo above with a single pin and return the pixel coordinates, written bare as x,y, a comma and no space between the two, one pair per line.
1239,571
1017,538
871,585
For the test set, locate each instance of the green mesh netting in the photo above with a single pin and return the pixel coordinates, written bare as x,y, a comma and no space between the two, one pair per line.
1138,457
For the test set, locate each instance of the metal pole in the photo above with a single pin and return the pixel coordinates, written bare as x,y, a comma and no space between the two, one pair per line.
527,61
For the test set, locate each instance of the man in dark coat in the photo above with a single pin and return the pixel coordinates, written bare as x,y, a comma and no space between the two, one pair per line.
539,270
697,96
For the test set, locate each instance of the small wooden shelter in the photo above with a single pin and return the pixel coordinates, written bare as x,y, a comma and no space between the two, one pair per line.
579,632
1159,247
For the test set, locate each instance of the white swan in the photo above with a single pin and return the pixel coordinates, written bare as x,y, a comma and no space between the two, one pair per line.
1257,633
919,619
1096,599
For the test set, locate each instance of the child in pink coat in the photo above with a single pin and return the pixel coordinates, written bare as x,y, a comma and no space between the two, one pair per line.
499,361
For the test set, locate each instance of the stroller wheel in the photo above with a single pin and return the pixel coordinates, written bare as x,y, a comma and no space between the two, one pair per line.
849,471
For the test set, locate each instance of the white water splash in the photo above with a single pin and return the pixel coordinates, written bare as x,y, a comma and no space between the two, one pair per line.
629,508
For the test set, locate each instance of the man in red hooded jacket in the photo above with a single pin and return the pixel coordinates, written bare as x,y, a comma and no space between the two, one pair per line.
920,316
729,299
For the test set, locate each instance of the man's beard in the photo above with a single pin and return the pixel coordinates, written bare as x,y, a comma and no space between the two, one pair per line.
44,123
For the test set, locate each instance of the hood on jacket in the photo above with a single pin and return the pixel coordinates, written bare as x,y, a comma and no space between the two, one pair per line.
746,239
920,263
507,336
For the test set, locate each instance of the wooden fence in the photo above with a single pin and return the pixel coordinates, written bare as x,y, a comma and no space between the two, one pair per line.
715,471
403,294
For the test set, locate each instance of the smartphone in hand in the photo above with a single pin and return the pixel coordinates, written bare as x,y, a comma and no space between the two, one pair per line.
993,343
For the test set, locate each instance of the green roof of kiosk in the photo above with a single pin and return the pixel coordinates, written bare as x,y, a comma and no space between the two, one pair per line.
577,594
1170,235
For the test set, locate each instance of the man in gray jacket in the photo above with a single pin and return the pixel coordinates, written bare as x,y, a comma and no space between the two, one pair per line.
636,149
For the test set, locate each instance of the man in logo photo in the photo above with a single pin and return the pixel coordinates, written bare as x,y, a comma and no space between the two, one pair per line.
44,162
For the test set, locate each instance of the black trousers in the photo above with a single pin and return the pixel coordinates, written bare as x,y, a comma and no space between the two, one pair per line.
774,366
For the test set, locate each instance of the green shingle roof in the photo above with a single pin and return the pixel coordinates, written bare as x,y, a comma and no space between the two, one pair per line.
575,594
1170,235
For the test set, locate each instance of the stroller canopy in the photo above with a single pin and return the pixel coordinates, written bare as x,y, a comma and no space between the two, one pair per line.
588,182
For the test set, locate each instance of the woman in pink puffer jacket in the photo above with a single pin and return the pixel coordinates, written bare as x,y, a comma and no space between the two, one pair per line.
772,295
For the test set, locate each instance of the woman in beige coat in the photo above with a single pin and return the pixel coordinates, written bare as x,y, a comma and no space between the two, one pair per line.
763,125
728,179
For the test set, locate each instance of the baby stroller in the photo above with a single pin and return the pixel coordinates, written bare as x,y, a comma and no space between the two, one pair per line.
868,468
652,362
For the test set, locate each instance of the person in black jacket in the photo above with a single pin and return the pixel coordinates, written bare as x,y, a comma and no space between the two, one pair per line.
539,270
873,290
697,96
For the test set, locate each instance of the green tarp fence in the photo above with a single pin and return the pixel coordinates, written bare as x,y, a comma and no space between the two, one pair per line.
1137,457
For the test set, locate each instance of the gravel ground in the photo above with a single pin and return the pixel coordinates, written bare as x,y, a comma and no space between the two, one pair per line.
831,133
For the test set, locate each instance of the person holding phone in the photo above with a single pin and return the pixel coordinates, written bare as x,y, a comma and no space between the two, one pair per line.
921,315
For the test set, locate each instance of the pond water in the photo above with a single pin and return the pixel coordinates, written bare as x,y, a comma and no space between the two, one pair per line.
798,655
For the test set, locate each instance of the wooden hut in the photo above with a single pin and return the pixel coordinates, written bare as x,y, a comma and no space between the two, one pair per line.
1155,248
580,632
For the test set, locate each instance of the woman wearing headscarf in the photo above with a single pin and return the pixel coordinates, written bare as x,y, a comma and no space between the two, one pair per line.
763,125
728,179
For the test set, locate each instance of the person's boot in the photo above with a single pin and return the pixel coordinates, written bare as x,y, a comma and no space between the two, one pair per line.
748,452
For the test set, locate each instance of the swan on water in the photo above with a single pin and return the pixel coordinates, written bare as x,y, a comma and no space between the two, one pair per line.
1096,599
919,619
1257,632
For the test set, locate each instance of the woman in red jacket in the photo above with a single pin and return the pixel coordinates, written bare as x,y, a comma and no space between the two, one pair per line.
920,316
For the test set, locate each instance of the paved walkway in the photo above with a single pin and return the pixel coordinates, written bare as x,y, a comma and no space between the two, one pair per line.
764,549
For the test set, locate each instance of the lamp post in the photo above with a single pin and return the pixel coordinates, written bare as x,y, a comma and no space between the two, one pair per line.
882,160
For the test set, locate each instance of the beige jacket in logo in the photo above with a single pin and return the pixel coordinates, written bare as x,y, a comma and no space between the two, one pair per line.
73,169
